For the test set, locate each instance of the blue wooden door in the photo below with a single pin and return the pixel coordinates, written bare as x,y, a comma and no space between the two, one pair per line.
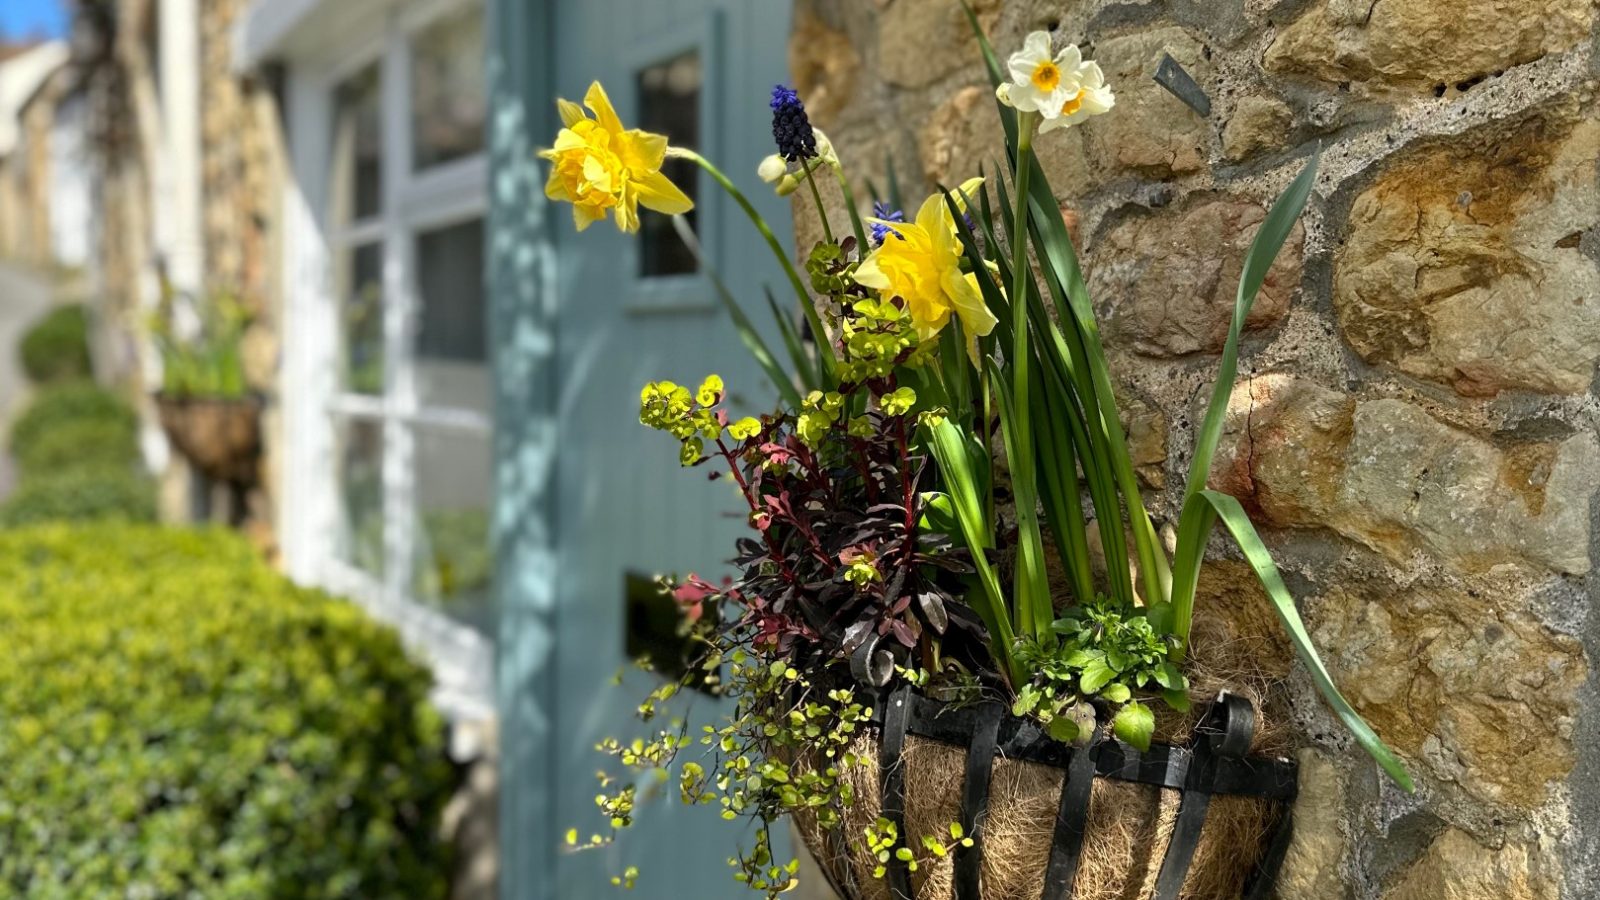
629,309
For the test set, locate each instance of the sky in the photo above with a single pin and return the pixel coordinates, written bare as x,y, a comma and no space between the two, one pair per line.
31,18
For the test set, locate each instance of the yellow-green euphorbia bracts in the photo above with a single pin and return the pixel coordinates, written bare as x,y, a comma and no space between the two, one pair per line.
920,262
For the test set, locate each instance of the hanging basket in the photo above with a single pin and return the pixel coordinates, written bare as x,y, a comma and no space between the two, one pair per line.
1056,822
220,437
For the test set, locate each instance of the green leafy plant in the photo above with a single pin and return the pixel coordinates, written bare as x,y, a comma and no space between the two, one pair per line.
56,407
77,443
81,494
56,349
1056,375
76,446
203,360
194,725
954,420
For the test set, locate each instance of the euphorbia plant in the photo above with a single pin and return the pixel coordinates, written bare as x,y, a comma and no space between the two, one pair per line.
935,338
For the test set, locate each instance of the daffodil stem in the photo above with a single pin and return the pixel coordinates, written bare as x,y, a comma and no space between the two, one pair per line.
822,213
807,308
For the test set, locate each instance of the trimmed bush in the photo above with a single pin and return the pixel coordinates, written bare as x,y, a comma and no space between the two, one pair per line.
79,443
77,448
181,721
57,347
57,406
81,494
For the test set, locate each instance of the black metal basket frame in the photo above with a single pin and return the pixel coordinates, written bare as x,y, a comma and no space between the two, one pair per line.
1216,763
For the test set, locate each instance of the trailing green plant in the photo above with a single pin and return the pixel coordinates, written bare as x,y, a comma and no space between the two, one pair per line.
205,358
194,725
963,335
56,348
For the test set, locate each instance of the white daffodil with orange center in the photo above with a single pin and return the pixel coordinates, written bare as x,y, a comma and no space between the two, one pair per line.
600,167
1063,89
921,265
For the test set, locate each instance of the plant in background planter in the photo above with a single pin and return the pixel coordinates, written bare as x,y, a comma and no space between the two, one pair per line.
963,660
206,408
56,348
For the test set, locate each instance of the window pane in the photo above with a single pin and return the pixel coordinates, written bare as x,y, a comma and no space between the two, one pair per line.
360,283
669,104
454,562
449,95
361,494
357,184
452,344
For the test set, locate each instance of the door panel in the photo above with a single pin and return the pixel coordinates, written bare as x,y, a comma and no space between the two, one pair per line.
629,312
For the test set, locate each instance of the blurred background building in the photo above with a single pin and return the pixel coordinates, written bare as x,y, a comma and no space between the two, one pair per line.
358,177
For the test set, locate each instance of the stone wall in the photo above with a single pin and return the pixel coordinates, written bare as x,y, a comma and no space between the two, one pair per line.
1415,425
243,167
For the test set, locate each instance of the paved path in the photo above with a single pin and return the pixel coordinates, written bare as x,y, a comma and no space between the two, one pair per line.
24,297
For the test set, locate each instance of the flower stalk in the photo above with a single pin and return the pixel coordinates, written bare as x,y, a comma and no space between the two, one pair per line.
807,307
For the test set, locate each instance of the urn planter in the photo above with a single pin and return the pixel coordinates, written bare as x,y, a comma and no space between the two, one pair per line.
221,437
1049,821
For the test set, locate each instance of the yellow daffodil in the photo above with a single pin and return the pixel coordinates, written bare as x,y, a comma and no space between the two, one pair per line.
1063,89
921,264
598,166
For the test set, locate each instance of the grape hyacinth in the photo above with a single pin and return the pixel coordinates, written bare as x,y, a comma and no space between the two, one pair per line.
791,128
881,232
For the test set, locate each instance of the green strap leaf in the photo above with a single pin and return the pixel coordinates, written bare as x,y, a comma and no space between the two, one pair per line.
1208,507
804,367
1264,249
950,451
741,323
1031,588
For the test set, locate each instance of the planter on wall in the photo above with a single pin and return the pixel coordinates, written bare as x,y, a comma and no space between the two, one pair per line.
219,437
1205,821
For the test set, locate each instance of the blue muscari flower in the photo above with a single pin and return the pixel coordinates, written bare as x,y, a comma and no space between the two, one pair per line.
791,128
882,211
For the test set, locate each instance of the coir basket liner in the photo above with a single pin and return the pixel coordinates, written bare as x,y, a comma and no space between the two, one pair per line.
1204,821
220,437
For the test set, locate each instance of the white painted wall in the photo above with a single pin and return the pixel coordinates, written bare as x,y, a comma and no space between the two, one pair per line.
71,208
20,77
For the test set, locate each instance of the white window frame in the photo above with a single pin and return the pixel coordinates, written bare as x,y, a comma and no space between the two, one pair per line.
314,399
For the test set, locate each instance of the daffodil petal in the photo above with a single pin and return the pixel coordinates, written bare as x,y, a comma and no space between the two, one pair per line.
968,189
571,113
604,113
870,274
584,216
555,187
627,212
1069,58
965,296
931,217
656,191
642,151
567,139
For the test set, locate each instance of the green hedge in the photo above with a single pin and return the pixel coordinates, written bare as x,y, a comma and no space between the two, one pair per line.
77,448
181,721
57,347
58,406
89,442
81,494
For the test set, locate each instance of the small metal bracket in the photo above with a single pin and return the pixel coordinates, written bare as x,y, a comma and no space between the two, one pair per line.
1171,76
